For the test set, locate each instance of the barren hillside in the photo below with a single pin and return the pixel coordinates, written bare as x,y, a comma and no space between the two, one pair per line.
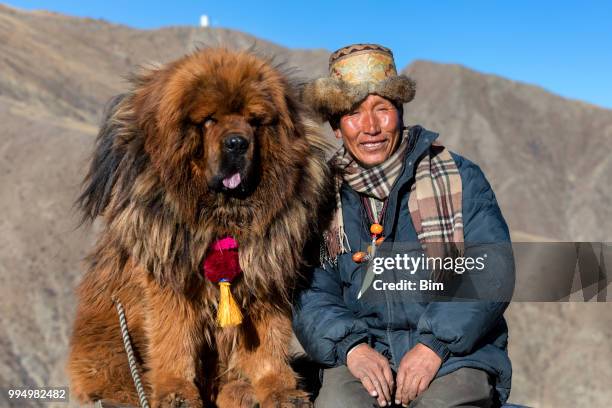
548,159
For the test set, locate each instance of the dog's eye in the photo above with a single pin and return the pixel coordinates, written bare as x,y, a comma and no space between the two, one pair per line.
255,122
208,122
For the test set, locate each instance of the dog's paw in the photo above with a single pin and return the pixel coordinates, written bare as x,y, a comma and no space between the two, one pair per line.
177,400
289,398
237,394
177,394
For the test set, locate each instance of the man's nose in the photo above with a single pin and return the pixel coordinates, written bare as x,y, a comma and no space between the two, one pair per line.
370,124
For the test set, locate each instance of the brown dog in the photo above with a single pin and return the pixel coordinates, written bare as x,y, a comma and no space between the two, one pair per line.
213,144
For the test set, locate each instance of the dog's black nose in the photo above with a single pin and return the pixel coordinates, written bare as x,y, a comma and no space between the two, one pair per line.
236,144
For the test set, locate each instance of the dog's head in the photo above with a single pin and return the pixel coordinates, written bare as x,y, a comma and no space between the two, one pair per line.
216,135
215,120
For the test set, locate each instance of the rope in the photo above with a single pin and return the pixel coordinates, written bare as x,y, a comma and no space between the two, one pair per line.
130,354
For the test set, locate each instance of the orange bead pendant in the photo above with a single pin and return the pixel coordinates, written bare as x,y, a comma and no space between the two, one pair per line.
376,229
360,257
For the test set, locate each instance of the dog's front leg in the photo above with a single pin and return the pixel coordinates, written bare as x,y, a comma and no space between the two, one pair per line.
264,359
175,334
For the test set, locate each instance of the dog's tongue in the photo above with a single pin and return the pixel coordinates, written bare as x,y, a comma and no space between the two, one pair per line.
232,181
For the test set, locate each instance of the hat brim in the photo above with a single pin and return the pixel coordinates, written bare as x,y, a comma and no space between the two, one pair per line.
329,97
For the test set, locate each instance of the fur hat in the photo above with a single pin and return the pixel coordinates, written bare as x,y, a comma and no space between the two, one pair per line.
355,71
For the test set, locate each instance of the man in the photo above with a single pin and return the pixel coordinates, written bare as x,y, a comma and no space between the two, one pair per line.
388,349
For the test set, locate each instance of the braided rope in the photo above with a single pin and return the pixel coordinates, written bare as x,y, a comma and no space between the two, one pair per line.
130,354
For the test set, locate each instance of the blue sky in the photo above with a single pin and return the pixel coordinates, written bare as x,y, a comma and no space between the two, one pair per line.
563,46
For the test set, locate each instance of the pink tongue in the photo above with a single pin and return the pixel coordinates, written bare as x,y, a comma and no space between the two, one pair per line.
232,181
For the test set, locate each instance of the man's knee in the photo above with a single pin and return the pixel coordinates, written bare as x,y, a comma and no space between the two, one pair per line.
340,389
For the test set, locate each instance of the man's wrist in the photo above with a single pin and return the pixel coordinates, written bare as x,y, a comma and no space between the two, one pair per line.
347,344
352,349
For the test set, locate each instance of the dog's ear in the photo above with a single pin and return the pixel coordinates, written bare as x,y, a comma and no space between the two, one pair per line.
104,167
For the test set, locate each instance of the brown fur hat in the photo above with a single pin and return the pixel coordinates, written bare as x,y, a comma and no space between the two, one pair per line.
355,72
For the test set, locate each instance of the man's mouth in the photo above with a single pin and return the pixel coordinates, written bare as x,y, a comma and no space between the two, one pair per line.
233,181
373,145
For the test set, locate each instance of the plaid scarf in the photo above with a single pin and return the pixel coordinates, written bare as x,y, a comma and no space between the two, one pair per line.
434,202
435,206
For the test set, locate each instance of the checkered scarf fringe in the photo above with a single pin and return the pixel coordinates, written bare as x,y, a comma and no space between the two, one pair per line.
434,203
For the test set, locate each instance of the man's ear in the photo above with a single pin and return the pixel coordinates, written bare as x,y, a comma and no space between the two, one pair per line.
338,133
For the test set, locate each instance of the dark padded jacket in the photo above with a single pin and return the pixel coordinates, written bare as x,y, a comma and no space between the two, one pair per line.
329,320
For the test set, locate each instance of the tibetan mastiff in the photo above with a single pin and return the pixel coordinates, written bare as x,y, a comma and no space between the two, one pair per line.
213,145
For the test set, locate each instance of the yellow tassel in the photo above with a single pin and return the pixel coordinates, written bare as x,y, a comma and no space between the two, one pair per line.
228,313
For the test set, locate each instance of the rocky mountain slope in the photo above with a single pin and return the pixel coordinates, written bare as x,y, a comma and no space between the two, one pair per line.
547,158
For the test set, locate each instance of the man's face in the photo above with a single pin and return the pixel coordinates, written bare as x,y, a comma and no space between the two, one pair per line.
372,131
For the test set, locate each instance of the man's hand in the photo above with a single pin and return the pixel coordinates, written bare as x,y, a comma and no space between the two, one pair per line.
416,370
374,372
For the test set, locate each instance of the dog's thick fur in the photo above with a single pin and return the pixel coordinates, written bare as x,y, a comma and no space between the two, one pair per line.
153,179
